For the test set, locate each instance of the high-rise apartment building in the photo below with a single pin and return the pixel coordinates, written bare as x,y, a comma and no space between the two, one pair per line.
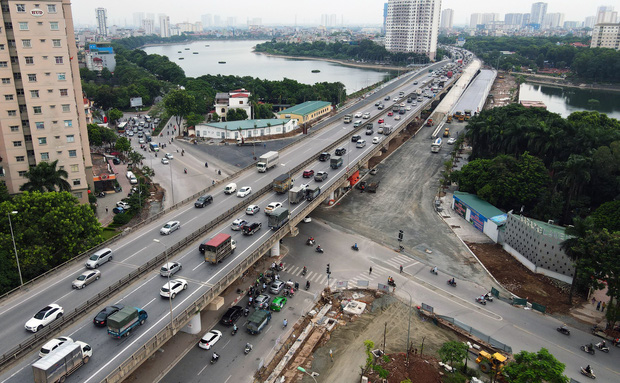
102,22
164,26
447,18
482,19
606,35
137,19
554,20
413,26
513,20
606,14
589,22
385,9
41,107
537,15
148,26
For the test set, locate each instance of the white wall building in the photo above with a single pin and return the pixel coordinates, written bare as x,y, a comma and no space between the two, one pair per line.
537,15
606,14
102,22
606,36
447,18
164,26
245,128
413,26
235,99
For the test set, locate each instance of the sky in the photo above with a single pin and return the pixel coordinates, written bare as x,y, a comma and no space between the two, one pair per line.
286,12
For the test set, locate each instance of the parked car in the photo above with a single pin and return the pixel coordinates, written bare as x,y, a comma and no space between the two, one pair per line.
86,278
170,268
252,209
244,191
123,204
203,200
169,227
320,176
172,288
101,319
231,315
45,316
308,173
209,339
53,344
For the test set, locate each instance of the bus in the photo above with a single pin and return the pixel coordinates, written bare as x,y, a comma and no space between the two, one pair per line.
121,127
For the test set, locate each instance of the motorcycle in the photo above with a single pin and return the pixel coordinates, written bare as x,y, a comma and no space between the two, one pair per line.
563,330
603,348
391,282
482,301
307,285
319,250
246,312
304,271
587,349
355,247
185,170
214,358
310,242
434,272
234,331
100,194
586,373
488,297
451,283
247,349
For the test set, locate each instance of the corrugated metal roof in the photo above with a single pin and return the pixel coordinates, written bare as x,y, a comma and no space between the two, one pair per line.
478,204
305,108
248,124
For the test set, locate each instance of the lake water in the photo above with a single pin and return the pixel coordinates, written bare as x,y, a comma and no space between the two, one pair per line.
240,61
565,101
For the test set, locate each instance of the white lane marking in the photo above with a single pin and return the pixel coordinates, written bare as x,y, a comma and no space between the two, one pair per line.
139,287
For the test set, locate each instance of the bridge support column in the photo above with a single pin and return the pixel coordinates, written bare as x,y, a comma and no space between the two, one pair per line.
275,250
194,326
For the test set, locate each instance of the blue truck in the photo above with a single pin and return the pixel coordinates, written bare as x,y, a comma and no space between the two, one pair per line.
122,322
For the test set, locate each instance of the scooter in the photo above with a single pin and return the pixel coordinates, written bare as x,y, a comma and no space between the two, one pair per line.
100,194
602,348
453,284
307,285
247,349
433,271
391,282
355,247
304,271
310,242
234,331
482,301
587,349
214,358
586,373
319,250
563,330
488,297
246,312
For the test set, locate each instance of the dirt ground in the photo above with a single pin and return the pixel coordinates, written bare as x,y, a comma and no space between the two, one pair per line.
504,91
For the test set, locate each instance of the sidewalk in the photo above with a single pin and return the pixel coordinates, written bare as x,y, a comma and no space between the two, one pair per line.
107,203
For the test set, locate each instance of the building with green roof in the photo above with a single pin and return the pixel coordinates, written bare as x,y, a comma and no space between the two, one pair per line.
307,111
481,214
245,128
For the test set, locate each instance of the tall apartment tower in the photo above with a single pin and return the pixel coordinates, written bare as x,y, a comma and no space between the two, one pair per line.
164,26
606,14
413,26
42,115
447,18
606,35
102,22
537,16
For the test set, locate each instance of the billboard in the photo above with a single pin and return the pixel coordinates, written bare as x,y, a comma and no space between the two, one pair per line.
135,102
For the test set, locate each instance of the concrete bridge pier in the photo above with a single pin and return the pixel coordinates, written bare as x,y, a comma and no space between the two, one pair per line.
275,249
193,327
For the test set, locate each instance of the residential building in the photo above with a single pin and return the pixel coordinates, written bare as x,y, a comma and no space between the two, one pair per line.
207,20
413,26
102,22
554,20
606,35
537,15
41,108
385,13
245,128
306,111
479,20
148,26
589,22
235,99
100,55
606,14
513,20
137,19
164,26
447,18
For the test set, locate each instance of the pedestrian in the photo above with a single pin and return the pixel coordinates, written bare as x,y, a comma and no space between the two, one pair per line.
598,306
206,165
172,139
106,209
370,270
331,354
212,182
593,300
603,307
401,269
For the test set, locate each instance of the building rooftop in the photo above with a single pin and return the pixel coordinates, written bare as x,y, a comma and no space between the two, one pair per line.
248,124
533,104
305,108
479,205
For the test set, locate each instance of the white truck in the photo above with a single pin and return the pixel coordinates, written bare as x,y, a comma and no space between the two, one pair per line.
436,145
267,161
62,362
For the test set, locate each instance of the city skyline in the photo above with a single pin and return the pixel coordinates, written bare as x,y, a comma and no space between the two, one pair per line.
120,12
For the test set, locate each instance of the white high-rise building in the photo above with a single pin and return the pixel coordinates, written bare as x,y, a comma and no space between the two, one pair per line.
589,22
413,26
606,14
606,35
554,20
164,26
102,22
482,19
137,19
537,15
513,20
147,25
447,18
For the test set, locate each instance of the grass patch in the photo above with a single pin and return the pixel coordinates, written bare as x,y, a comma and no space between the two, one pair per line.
108,233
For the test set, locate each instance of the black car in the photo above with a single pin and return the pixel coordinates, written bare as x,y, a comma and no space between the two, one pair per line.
116,161
102,318
118,210
251,228
369,132
203,200
324,156
341,151
387,98
355,138
231,316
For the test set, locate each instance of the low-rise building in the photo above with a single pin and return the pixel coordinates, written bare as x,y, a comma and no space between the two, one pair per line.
307,111
235,99
245,128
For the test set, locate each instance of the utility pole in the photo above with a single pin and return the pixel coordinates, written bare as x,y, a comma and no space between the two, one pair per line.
384,334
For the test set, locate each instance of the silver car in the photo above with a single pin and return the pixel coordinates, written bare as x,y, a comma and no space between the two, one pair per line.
98,258
170,268
86,278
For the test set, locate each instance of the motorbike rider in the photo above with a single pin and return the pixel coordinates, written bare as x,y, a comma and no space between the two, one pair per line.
185,170
589,347
215,356
235,327
304,270
318,248
601,344
307,285
390,280
481,298
452,281
248,346
588,369
355,246
435,269
563,327
285,322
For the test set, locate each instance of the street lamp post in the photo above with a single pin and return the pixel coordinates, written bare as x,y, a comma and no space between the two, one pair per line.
171,184
19,270
307,373
169,292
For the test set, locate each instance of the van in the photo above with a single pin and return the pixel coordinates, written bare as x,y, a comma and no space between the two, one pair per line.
360,144
357,123
99,258
230,188
132,178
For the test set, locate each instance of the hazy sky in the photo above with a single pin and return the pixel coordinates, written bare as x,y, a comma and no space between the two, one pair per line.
358,12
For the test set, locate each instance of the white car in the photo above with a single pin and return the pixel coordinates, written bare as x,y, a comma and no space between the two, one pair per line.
244,191
141,141
375,140
397,117
408,107
307,220
44,317
165,161
252,209
169,156
209,339
303,186
366,116
169,227
172,288
123,204
53,344
358,114
451,141
360,144
238,224
271,207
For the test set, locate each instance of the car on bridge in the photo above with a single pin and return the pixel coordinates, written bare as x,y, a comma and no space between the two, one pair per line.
387,98
360,144
102,317
172,288
340,151
169,227
170,268
324,156
356,138
252,209
86,278
358,114
53,344
204,200
390,114
375,140
308,173
320,176
45,316
238,224
271,207
244,191
366,116
251,228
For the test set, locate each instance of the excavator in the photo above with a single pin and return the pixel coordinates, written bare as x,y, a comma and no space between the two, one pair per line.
488,362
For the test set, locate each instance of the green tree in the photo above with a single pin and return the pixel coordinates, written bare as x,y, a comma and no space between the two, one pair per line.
45,177
370,358
122,145
108,137
574,233
530,367
607,216
94,134
573,175
114,115
453,351
4,192
180,104
236,115
135,158
194,119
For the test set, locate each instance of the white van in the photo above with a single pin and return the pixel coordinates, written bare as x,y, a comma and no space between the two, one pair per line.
230,188
132,178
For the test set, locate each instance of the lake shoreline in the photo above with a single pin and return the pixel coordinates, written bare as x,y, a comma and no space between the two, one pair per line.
555,81
341,62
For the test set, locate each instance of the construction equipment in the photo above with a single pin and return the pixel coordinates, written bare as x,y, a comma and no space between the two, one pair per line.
449,119
429,122
488,362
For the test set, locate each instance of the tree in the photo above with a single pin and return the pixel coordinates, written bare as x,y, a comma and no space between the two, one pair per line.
453,351
236,115
4,192
539,367
108,136
122,145
573,175
94,134
46,178
194,119
180,104
135,158
607,216
114,115
579,230
370,358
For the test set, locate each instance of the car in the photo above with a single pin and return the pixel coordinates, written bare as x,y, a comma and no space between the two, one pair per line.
130,133
340,151
209,339
170,268
358,114
369,132
387,98
396,99
172,288
123,204
251,228
390,114
238,224
397,117
303,186
375,140
381,121
85,279
360,144
276,287
408,107
320,176
377,103
203,200
252,209
169,227
451,141
165,161
415,83
118,210
308,173
271,207
380,130
278,303
116,161
101,319
169,156
366,116
98,258
53,344
414,104
306,220
356,138
45,316
262,301
231,315
244,191
141,141
409,100
324,156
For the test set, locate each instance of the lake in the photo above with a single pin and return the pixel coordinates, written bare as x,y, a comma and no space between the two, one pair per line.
565,101
240,61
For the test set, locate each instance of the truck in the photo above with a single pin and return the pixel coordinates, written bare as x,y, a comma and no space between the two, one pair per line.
277,218
436,145
395,108
122,322
372,187
217,248
154,147
348,118
296,194
282,183
312,193
387,129
335,162
258,321
467,114
449,74
267,161
243,142
61,362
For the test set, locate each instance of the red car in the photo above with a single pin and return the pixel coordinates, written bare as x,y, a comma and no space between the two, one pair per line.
308,173
381,121
390,114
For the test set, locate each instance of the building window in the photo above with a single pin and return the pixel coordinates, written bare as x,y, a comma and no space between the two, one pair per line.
64,92
34,93
40,125
75,168
70,138
14,128
37,110
26,43
8,97
29,60
68,123
59,59
66,108
54,25
32,77
72,153
61,76
6,80
51,8
11,43
17,144
45,156
12,113
76,182
20,158
21,8
42,140
1,47
56,43
4,64
19,91
23,25
21,173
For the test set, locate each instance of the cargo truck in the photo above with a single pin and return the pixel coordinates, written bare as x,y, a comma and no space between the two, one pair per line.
258,321
348,118
335,162
243,142
217,248
312,193
62,362
278,218
282,183
296,194
122,322
267,161
436,145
